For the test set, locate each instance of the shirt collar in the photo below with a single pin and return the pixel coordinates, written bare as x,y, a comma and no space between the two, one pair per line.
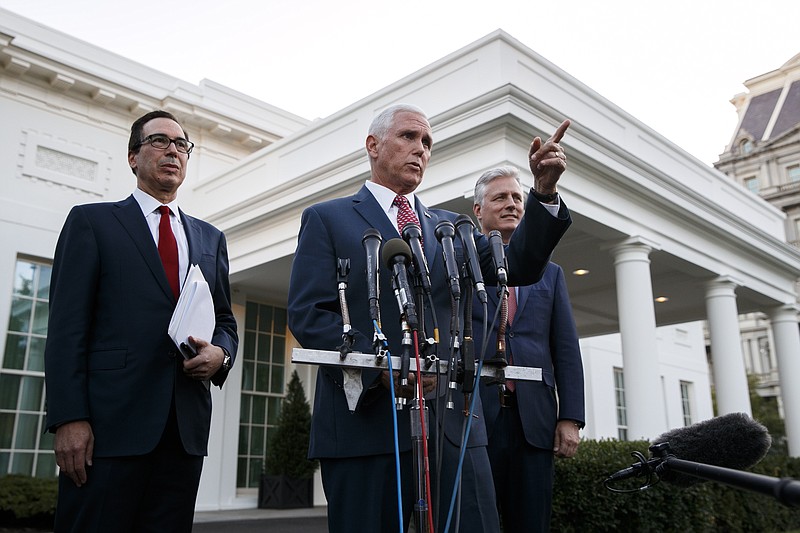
148,204
386,196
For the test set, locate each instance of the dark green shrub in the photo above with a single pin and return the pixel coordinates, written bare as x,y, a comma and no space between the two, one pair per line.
27,501
287,448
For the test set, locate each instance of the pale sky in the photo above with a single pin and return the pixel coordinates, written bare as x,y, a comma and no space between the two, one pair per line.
673,65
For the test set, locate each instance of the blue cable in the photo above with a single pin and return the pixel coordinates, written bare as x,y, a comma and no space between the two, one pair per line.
463,451
394,428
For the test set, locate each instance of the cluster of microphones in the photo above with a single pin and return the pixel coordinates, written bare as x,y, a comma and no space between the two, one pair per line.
399,255
718,449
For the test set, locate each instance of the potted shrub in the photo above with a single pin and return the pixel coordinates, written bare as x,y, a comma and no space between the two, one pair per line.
288,479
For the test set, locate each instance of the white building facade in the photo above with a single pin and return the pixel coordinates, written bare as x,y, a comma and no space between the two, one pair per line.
650,222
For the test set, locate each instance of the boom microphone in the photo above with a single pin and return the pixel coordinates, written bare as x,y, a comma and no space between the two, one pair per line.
734,441
465,228
372,241
445,232
498,256
397,256
412,234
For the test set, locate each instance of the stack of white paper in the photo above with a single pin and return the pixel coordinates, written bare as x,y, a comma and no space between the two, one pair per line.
194,313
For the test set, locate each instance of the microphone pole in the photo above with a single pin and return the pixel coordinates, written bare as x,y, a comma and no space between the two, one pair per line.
785,490
342,270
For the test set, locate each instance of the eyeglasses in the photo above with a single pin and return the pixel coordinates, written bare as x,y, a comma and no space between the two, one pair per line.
162,142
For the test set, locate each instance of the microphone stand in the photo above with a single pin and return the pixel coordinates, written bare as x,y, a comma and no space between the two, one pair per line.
419,422
785,490
342,270
663,462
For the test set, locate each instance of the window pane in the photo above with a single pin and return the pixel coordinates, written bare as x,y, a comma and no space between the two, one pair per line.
248,376
22,463
263,347
262,378
255,472
259,410
15,351
279,350
279,325
241,472
5,459
31,399
257,441
6,432
23,278
44,282
20,318
40,318
249,345
250,315
26,432
244,431
265,318
9,391
277,379
36,354
46,439
244,412
46,465
274,411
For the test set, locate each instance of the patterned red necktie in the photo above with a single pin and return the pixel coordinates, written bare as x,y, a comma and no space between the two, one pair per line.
404,213
168,250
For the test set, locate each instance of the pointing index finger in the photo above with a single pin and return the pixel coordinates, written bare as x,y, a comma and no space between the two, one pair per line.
559,134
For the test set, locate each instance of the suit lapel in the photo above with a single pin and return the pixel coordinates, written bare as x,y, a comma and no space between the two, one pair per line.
193,238
522,299
427,222
370,210
130,217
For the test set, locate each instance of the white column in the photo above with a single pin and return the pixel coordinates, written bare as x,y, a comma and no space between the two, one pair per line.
787,350
644,400
730,376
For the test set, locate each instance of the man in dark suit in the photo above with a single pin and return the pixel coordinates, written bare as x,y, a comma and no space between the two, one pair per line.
355,442
131,416
527,421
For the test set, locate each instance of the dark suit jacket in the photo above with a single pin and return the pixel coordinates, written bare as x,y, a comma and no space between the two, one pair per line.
108,357
334,229
543,335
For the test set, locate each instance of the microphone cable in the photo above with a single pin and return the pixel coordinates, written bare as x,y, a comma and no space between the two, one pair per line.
467,429
394,425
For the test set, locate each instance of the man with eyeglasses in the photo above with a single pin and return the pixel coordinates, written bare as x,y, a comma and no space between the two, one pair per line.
130,414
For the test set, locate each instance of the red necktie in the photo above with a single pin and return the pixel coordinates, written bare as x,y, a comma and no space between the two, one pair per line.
404,213
512,304
168,250
512,310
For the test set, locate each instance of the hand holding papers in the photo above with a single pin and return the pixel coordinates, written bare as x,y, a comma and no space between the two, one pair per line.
194,313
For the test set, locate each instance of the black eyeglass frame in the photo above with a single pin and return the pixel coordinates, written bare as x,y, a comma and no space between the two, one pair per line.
160,138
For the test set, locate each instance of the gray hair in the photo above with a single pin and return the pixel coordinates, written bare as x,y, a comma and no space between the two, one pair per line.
491,175
382,123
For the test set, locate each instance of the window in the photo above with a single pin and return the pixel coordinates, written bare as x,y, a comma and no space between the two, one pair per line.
686,402
746,146
263,380
24,448
619,394
793,173
751,184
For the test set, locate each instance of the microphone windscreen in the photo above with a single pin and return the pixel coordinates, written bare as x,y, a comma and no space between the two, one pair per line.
733,441
394,247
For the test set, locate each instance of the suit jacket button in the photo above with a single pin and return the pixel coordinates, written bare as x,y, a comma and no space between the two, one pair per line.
510,333
172,354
